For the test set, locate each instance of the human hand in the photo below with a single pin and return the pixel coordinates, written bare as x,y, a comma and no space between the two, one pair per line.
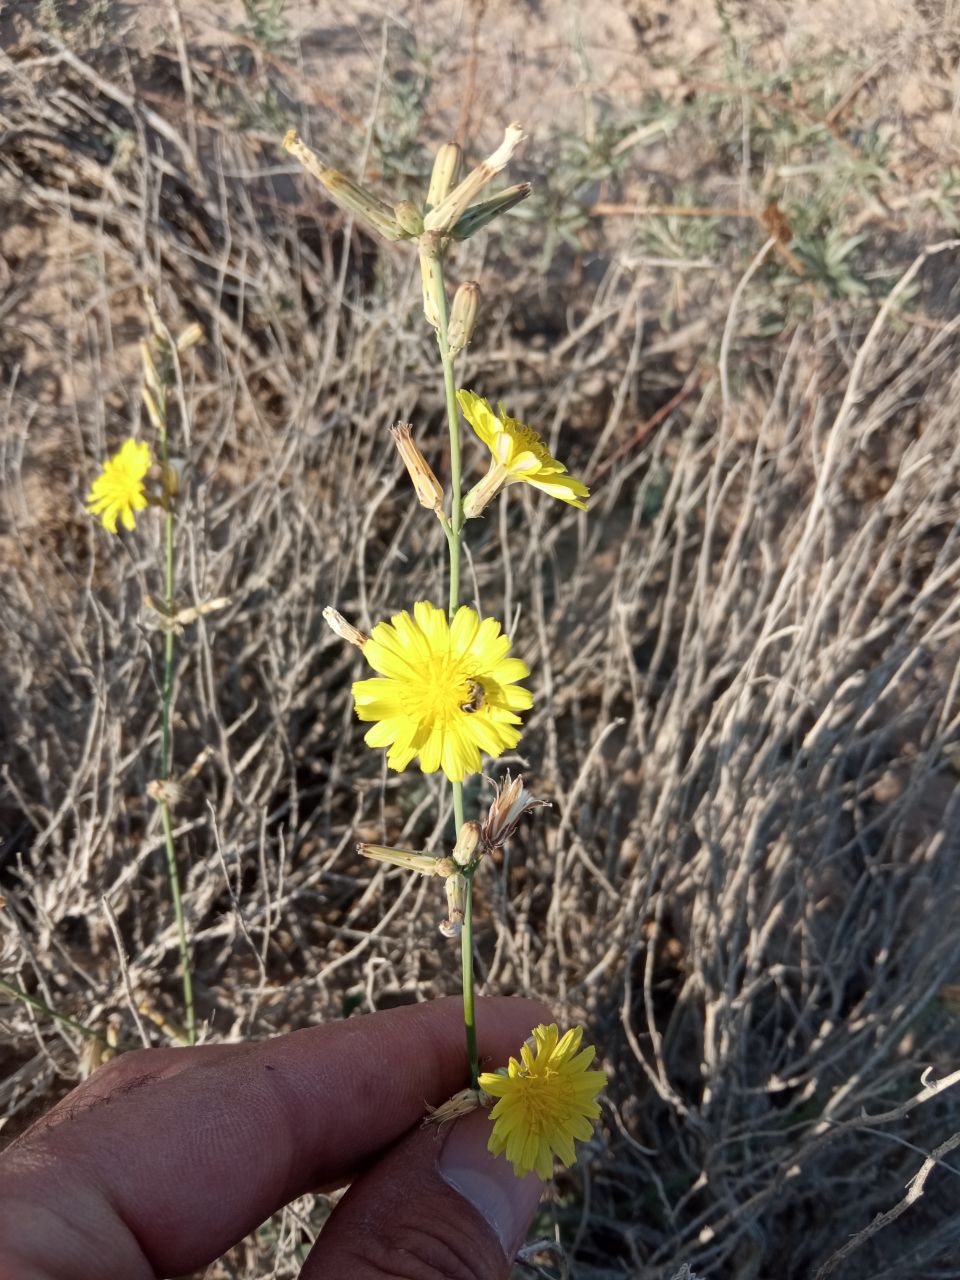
165,1158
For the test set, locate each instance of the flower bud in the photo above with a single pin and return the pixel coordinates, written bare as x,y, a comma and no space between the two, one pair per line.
377,215
172,474
456,887
151,379
478,215
409,217
425,483
153,413
427,864
443,217
467,842
446,171
338,624
463,315
430,276
461,1104
485,490
192,335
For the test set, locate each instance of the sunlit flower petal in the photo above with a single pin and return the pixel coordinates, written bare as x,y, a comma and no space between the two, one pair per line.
545,1101
444,692
517,455
118,491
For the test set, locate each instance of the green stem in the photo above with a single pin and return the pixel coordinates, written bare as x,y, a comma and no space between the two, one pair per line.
166,735
62,1018
466,960
454,538
189,1012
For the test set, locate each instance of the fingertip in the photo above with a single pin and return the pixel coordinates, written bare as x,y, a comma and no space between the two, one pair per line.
438,1203
487,1183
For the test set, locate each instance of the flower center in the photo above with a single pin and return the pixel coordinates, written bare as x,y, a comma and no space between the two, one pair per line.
442,691
546,1099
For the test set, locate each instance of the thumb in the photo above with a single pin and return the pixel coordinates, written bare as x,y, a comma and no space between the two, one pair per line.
437,1206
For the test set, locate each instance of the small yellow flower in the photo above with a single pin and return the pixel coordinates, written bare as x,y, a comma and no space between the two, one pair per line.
545,1102
118,491
445,693
516,454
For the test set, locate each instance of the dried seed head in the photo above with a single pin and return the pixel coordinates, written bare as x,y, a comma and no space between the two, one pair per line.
511,802
463,315
446,171
444,215
425,483
345,630
166,791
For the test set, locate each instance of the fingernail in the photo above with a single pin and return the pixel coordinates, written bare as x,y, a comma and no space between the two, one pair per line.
488,1182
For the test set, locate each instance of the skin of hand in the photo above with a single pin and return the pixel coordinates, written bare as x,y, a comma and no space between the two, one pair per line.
165,1158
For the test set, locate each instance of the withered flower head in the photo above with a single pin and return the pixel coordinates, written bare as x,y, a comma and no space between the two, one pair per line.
511,802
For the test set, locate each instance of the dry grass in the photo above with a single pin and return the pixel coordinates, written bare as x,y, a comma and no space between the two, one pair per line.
745,657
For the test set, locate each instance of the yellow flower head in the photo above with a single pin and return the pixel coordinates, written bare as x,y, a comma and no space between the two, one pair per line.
545,1101
516,454
446,692
118,490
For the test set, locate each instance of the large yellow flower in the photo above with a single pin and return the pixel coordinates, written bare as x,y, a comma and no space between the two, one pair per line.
118,490
545,1101
447,692
517,454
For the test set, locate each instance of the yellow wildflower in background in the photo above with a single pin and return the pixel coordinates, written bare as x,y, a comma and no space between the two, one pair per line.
445,692
118,490
546,1101
516,454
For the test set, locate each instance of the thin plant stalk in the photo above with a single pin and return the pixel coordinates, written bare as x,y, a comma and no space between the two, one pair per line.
454,532
166,735
62,1018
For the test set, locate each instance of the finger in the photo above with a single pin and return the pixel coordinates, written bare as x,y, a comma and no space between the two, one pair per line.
436,1205
175,1165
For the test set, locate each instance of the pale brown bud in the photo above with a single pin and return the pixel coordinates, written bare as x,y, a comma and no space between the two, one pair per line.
343,191
461,1104
425,483
345,630
190,337
176,616
443,217
150,376
446,171
427,864
456,887
463,315
431,277
409,217
467,841
153,413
